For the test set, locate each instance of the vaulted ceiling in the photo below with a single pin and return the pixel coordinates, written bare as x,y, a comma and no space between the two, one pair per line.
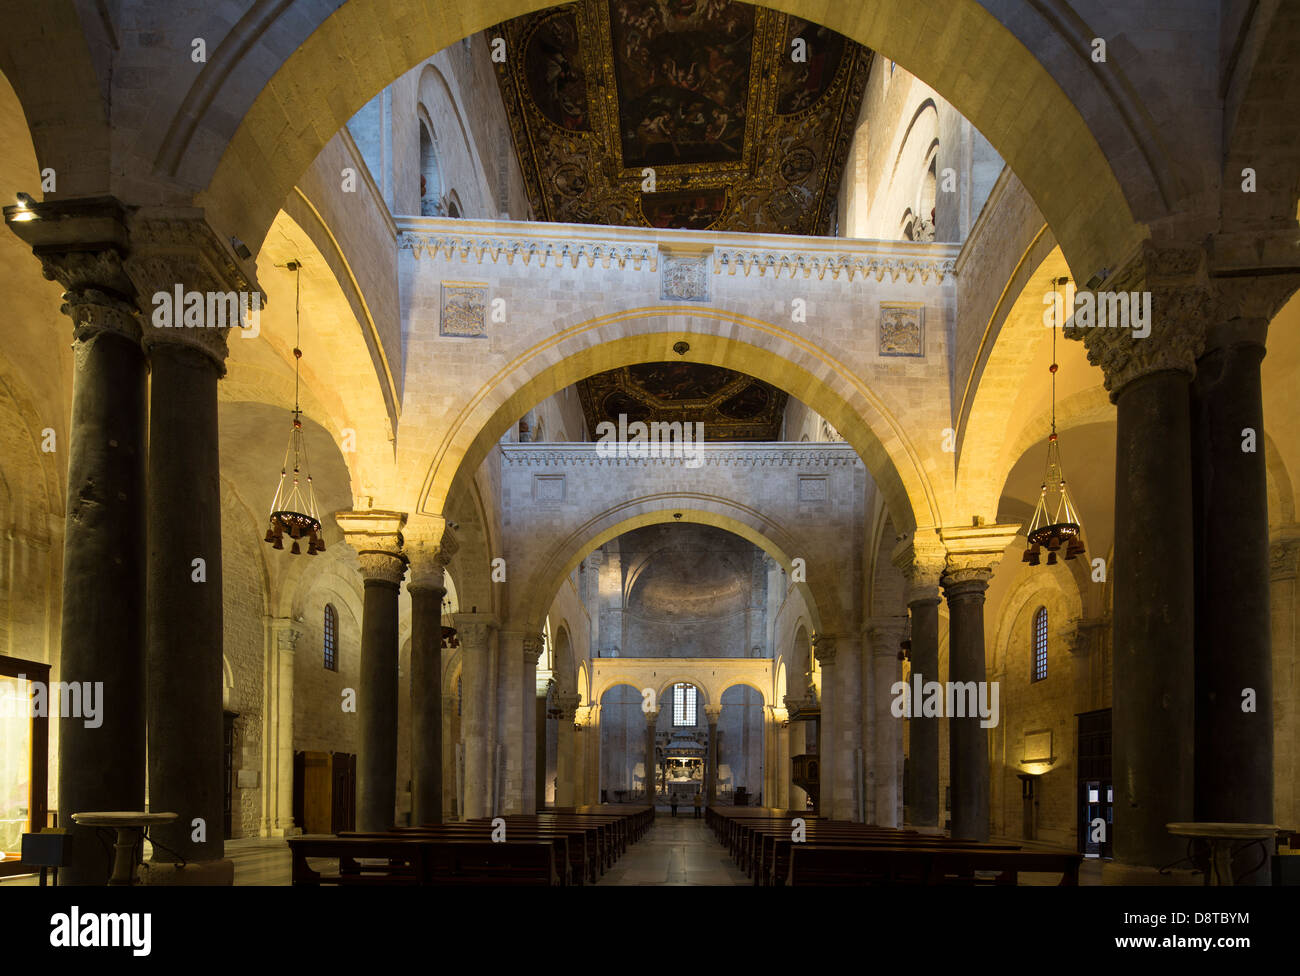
681,113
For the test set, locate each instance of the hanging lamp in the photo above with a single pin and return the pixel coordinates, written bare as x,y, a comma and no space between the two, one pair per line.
449,638
1056,521
293,510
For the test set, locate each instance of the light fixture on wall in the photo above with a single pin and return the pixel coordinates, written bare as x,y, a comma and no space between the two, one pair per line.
293,509
1055,522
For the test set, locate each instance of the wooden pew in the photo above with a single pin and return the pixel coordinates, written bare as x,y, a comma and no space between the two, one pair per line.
428,861
816,864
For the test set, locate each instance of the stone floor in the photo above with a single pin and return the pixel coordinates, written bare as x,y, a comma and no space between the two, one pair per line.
675,851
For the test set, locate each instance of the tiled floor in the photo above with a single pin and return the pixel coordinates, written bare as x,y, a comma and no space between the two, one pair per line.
680,851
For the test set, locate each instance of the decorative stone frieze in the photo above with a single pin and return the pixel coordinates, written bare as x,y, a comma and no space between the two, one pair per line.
710,454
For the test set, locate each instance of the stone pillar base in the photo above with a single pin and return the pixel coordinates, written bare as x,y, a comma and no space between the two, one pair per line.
195,873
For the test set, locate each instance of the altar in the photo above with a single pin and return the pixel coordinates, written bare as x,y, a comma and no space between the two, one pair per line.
682,766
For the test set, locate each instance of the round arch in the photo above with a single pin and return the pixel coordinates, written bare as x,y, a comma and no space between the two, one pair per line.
966,53
745,522
777,355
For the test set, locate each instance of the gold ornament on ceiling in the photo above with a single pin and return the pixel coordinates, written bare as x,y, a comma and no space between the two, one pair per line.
696,114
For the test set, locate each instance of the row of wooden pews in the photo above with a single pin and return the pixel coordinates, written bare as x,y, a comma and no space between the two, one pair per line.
565,846
764,843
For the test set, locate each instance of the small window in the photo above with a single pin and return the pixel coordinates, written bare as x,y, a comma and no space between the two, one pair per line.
684,705
331,638
1040,645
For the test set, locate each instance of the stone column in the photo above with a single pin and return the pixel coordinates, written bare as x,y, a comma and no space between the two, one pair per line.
277,728
968,747
430,545
1284,561
376,537
922,563
591,759
511,655
568,761
539,744
1152,575
886,745
1233,773
780,774
175,252
651,725
80,245
450,740
797,797
712,713
842,733
473,630
528,717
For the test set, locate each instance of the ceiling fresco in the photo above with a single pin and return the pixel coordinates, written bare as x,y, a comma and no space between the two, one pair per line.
731,405
705,93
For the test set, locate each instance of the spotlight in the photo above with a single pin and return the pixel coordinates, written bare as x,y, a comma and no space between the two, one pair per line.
454,526
241,248
24,208
681,348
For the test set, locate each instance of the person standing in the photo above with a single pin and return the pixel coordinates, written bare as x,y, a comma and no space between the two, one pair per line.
672,802
699,804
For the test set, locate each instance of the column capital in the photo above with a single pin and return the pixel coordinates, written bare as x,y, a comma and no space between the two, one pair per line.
780,715
567,704
973,551
287,633
1244,305
82,245
377,538
921,559
429,543
1176,277
473,628
824,650
534,645
1283,555
175,256
652,717
712,713
886,634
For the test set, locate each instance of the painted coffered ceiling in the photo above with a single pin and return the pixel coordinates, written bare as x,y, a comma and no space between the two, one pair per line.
731,405
681,113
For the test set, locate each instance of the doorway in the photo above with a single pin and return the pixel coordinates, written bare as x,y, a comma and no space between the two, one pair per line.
1095,798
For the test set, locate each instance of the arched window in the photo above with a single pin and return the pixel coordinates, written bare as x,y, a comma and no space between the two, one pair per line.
683,704
1040,645
331,641
430,176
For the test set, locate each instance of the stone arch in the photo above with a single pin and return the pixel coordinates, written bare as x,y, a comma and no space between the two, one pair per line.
434,89
745,522
431,194
772,353
742,683
563,665
272,128
1054,587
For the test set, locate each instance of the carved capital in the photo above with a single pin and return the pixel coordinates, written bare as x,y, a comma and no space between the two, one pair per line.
287,634
781,716
824,650
973,551
712,713
377,538
190,288
81,244
652,718
567,704
886,634
473,629
1282,558
534,644
921,560
1244,305
429,543
1181,305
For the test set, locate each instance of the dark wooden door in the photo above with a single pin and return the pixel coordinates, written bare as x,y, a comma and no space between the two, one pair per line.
228,774
343,792
1096,790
